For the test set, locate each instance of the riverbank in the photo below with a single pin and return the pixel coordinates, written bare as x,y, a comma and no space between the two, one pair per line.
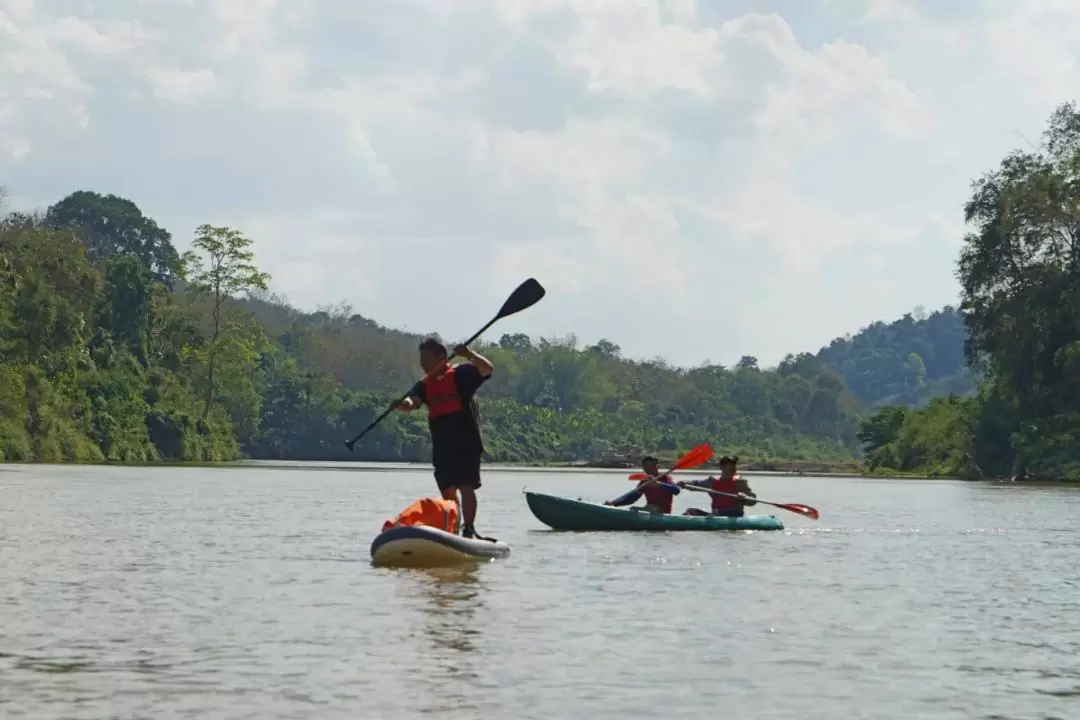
790,467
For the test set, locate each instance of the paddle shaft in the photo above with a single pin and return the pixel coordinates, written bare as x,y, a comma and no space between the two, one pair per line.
526,295
401,399
791,507
698,488
691,459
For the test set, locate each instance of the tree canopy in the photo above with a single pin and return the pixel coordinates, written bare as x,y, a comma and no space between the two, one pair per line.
906,362
1019,270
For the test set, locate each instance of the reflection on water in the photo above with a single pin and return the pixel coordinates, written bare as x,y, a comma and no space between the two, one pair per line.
449,605
450,614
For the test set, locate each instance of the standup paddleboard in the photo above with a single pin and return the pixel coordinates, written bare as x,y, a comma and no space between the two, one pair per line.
426,546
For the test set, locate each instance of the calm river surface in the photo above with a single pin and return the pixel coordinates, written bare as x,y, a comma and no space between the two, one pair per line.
246,592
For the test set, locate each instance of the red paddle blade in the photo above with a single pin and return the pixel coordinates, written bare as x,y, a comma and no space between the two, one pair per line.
806,510
698,456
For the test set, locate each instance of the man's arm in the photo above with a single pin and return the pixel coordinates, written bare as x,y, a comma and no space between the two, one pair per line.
664,482
482,364
414,399
668,486
744,488
469,377
626,499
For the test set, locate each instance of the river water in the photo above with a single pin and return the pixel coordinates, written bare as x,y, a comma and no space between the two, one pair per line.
246,592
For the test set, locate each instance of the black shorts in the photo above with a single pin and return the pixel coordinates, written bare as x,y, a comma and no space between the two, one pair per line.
458,472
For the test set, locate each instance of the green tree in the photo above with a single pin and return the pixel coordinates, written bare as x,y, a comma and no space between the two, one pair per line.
227,271
109,225
51,292
877,365
1020,274
879,432
127,305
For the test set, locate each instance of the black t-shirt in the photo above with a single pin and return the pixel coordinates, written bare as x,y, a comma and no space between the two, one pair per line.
457,434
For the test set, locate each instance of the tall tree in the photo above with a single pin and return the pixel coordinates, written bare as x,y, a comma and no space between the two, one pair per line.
1020,273
127,305
109,225
229,270
1020,268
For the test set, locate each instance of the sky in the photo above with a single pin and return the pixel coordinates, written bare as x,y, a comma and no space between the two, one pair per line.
690,180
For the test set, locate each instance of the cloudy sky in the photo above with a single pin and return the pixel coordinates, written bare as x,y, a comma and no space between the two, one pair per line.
692,180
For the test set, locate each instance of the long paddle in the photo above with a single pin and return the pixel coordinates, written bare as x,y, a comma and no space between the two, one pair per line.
806,510
692,459
527,294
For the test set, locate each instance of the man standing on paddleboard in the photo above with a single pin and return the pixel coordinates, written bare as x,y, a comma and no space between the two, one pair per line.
453,418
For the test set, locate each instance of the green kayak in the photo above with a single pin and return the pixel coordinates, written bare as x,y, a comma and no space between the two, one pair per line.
566,514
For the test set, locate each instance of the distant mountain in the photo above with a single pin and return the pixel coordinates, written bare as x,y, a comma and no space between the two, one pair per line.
906,362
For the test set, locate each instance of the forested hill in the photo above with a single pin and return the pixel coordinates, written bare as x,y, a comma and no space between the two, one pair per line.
906,362
114,346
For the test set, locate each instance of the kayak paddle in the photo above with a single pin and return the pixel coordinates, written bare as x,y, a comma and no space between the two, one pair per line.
692,459
527,294
806,510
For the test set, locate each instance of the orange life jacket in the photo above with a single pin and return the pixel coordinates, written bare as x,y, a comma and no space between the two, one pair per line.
433,512
723,502
442,395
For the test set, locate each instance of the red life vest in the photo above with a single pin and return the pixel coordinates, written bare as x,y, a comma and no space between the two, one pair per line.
442,395
658,496
723,502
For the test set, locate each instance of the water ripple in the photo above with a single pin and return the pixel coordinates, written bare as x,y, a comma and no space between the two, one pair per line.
246,593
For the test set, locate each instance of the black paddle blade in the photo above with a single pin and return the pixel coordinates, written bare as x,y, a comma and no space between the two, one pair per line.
527,294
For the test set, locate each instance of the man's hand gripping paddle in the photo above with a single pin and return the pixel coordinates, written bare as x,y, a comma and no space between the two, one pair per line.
692,459
527,294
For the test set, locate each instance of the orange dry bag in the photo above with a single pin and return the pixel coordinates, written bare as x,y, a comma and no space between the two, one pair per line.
434,512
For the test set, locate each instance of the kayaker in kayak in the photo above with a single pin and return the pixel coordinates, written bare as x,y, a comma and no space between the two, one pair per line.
729,481
453,418
659,492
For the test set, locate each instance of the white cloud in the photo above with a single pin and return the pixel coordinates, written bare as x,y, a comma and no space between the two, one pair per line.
181,86
661,167
632,50
1036,44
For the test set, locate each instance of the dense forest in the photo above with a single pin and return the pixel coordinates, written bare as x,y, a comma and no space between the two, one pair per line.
114,346
906,362
1019,270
